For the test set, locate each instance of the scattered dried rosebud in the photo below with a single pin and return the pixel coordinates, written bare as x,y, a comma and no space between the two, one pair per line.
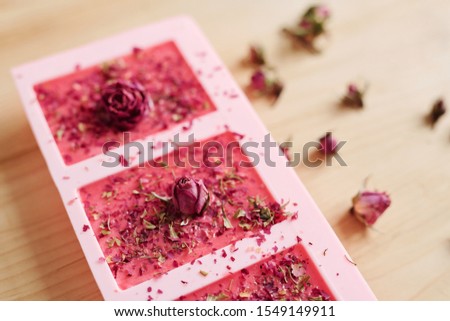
256,56
124,104
286,150
190,196
437,111
310,26
286,147
368,206
327,144
354,97
266,83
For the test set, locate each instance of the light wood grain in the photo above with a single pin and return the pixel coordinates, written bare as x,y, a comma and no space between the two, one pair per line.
400,47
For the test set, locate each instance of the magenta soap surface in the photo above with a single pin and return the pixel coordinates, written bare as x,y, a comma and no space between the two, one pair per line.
68,101
122,207
134,252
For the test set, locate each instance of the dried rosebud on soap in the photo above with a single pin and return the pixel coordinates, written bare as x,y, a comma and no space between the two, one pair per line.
190,196
310,26
437,111
328,144
124,104
368,206
264,82
354,97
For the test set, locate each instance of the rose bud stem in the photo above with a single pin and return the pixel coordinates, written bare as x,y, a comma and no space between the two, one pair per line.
437,111
256,56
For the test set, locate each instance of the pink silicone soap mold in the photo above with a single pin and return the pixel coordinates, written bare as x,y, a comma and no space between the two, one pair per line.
261,226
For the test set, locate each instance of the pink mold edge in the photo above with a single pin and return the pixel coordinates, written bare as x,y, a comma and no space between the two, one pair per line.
234,112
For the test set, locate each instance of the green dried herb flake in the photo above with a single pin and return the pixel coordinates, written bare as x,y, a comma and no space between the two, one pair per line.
239,213
219,297
148,225
227,223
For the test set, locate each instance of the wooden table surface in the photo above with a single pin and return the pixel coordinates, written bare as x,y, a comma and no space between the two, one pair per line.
400,47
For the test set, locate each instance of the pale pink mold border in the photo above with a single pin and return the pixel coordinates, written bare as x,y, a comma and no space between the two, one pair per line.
235,113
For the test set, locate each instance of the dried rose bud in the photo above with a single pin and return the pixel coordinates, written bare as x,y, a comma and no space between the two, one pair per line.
286,147
368,206
310,26
190,196
318,295
328,144
258,81
354,97
265,82
124,104
256,55
437,111
286,150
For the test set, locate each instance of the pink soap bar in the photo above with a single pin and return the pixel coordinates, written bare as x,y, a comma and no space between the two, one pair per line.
139,238
260,224
69,101
287,275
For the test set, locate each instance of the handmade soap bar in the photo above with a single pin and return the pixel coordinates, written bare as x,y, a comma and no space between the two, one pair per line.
287,275
69,102
253,233
142,241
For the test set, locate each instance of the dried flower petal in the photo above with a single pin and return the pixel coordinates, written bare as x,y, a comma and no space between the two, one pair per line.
264,82
297,270
327,144
190,196
437,111
310,26
322,13
354,96
368,206
318,295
